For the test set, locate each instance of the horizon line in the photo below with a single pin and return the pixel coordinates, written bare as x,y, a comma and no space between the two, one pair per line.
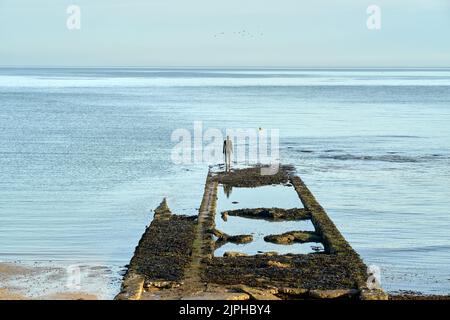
215,67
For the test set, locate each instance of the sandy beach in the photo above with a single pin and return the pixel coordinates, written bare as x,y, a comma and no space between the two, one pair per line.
18,282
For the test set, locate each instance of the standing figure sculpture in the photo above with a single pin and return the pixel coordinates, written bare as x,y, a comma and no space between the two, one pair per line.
227,151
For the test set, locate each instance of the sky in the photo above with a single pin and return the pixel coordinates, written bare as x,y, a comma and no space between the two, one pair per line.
227,33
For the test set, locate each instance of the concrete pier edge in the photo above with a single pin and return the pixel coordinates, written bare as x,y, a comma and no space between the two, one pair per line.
194,286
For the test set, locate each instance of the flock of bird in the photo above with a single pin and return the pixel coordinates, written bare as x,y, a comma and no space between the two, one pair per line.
242,33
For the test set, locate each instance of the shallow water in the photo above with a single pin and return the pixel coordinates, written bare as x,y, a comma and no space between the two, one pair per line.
273,196
259,229
85,156
258,246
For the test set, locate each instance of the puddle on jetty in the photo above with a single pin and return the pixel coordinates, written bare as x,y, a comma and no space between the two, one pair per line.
279,196
273,196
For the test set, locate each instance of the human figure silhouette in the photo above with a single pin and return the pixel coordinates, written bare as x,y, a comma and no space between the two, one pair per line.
227,151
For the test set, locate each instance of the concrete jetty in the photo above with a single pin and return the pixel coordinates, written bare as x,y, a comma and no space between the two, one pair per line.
175,257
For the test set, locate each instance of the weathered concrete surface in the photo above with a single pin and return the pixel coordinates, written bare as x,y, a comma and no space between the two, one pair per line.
162,255
294,237
223,237
270,214
233,254
176,255
252,177
311,271
132,287
375,294
334,242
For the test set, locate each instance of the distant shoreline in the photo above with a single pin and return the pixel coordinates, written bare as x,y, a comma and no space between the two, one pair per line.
250,68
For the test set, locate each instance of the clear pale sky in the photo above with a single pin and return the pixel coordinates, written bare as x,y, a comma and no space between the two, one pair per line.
267,33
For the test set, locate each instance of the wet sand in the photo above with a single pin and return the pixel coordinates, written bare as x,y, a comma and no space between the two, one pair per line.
18,282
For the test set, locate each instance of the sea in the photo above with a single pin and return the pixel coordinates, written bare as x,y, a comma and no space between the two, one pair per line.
86,154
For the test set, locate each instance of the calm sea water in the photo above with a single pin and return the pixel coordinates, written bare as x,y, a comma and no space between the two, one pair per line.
85,156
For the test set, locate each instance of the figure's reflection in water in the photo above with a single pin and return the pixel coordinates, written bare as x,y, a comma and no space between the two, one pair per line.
227,189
